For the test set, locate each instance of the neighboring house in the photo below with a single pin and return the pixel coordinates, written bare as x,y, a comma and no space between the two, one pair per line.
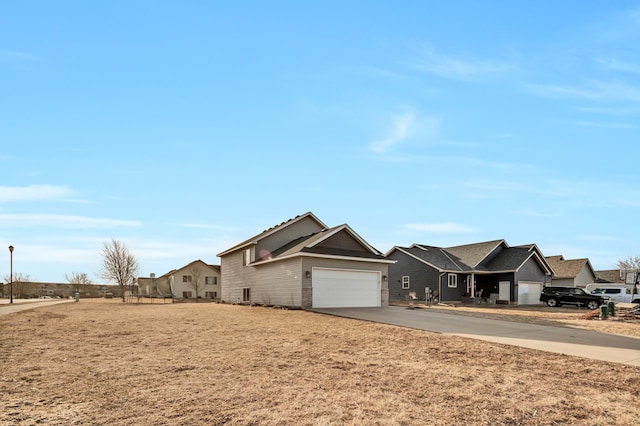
571,272
34,290
490,270
197,280
614,276
303,263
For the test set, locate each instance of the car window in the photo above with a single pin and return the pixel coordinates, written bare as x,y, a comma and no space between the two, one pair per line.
612,291
578,291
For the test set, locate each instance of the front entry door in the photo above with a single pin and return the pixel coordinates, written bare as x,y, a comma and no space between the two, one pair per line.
504,290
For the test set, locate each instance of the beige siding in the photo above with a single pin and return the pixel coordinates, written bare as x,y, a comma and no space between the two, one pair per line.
283,283
273,283
233,276
205,271
584,277
309,262
292,232
564,282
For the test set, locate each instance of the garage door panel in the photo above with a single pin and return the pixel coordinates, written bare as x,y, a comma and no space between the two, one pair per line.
335,288
529,293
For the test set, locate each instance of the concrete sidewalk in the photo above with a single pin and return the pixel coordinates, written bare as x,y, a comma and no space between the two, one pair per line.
23,304
563,340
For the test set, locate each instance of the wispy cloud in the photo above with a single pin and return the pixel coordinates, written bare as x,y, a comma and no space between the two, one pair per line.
440,228
16,57
537,213
598,238
63,221
610,111
400,129
35,192
597,91
601,124
457,68
619,65
208,226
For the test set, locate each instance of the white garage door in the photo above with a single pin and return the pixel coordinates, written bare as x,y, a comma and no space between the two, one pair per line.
529,293
343,288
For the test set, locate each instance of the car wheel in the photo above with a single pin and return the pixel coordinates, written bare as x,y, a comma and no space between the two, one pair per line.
552,302
592,304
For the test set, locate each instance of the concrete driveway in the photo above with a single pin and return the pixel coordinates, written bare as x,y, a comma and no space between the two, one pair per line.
568,341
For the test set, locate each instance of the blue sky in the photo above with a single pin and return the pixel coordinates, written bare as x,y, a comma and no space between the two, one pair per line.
183,128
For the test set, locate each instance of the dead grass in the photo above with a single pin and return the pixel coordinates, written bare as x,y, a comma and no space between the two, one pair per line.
103,362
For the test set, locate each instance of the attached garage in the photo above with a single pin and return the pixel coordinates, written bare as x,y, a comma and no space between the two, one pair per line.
529,293
345,288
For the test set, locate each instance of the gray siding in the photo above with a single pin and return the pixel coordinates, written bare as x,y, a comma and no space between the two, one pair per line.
452,294
530,271
420,277
342,240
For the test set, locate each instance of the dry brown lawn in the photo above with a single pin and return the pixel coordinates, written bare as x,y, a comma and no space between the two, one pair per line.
103,362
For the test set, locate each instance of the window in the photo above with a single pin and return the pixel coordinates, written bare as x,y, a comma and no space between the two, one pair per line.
246,257
186,278
246,294
211,280
210,294
452,280
186,294
405,281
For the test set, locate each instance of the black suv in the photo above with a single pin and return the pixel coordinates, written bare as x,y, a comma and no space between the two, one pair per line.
558,296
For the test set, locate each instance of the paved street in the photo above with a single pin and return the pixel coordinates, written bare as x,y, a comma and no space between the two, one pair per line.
569,341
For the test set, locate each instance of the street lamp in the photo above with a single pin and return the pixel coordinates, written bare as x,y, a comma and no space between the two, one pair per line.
11,274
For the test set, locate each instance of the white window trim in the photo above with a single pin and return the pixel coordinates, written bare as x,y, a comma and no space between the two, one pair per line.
405,282
452,280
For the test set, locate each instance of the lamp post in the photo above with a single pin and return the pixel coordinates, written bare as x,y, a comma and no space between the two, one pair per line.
11,273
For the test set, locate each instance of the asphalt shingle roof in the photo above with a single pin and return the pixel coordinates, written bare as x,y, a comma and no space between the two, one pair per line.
566,268
473,254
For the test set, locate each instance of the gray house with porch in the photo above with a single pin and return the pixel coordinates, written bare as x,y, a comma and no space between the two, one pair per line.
490,271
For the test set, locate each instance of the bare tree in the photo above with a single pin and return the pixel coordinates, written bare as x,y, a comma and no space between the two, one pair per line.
196,279
78,280
630,262
119,265
21,284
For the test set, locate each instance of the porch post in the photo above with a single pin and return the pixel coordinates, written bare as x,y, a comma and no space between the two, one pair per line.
473,285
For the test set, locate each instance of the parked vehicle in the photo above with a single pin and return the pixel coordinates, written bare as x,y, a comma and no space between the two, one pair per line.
558,296
619,294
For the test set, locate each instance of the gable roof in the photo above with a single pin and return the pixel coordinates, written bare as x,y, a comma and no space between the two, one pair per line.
438,257
474,254
609,276
513,258
270,231
459,258
310,245
173,271
568,268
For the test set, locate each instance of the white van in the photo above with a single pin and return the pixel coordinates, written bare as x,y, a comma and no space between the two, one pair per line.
619,294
